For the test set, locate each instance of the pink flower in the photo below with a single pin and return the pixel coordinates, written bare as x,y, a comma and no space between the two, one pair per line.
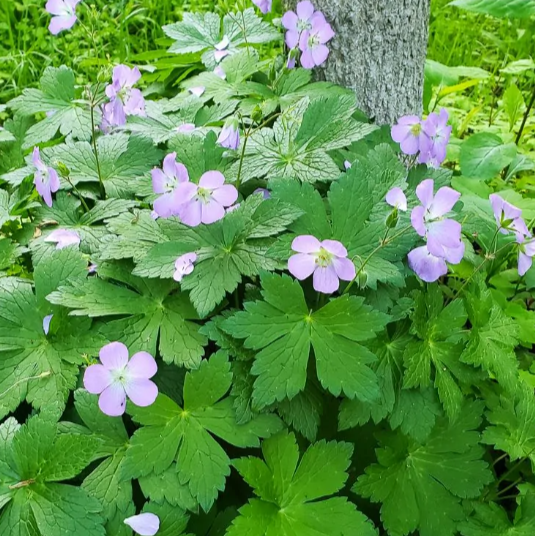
118,377
165,182
64,12
230,134
396,198
295,23
205,202
313,42
186,128
45,178
124,99
327,260
508,217
409,133
263,5
145,524
438,132
427,266
526,251
46,323
184,265
63,238
221,49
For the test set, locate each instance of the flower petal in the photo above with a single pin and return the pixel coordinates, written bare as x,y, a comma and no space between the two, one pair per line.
166,205
302,265
112,401
307,61
443,201
345,269
289,21
334,247
424,192
226,195
325,280
417,220
428,267
114,355
191,213
305,10
524,263
396,198
142,365
212,212
320,54
96,379
212,180
447,232
58,24
306,244
145,524
141,392
292,38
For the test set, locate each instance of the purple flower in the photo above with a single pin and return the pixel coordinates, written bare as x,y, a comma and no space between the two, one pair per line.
46,323
124,99
526,251
409,133
64,12
45,178
292,59
438,132
265,193
118,377
396,198
263,5
295,23
221,49
230,134
92,268
218,71
508,217
348,164
428,220
165,182
184,265
64,238
327,260
197,90
145,524
205,202
428,267
312,42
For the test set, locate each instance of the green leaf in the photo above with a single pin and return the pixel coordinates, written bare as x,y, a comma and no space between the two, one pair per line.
484,155
56,96
170,433
282,325
499,8
37,505
286,490
173,520
493,338
513,102
489,519
420,485
124,161
150,311
42,368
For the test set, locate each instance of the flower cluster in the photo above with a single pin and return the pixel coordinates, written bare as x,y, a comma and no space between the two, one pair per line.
443,235
509,220
309,32
192,203
125,100
427,138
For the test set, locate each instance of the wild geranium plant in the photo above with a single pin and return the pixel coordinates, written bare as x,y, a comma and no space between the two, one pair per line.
237,308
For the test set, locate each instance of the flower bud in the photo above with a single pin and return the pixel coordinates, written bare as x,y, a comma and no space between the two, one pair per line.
392,219
64,171
257,114
362,279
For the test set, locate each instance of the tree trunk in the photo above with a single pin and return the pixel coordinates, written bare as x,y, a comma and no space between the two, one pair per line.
379,51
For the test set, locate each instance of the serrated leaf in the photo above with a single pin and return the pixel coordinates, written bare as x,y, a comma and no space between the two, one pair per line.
282,325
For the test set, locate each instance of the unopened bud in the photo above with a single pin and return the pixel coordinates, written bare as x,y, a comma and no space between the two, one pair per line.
257,114
392,219
362,279
64,171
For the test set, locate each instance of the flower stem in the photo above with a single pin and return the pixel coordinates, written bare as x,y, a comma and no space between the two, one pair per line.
95,148
23,380
384,242
80,196
242,156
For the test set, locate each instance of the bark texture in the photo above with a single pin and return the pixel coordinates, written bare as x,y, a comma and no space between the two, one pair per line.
379,51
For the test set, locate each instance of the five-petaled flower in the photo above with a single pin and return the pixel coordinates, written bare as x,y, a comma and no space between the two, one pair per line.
312,42
124,98
64,14
118,377
297,22
184,265
165,182
327,260
205,202
45,178
410,134
508,217
63,238
145,524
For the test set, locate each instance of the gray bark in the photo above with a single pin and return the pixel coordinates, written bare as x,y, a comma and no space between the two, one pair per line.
379,51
